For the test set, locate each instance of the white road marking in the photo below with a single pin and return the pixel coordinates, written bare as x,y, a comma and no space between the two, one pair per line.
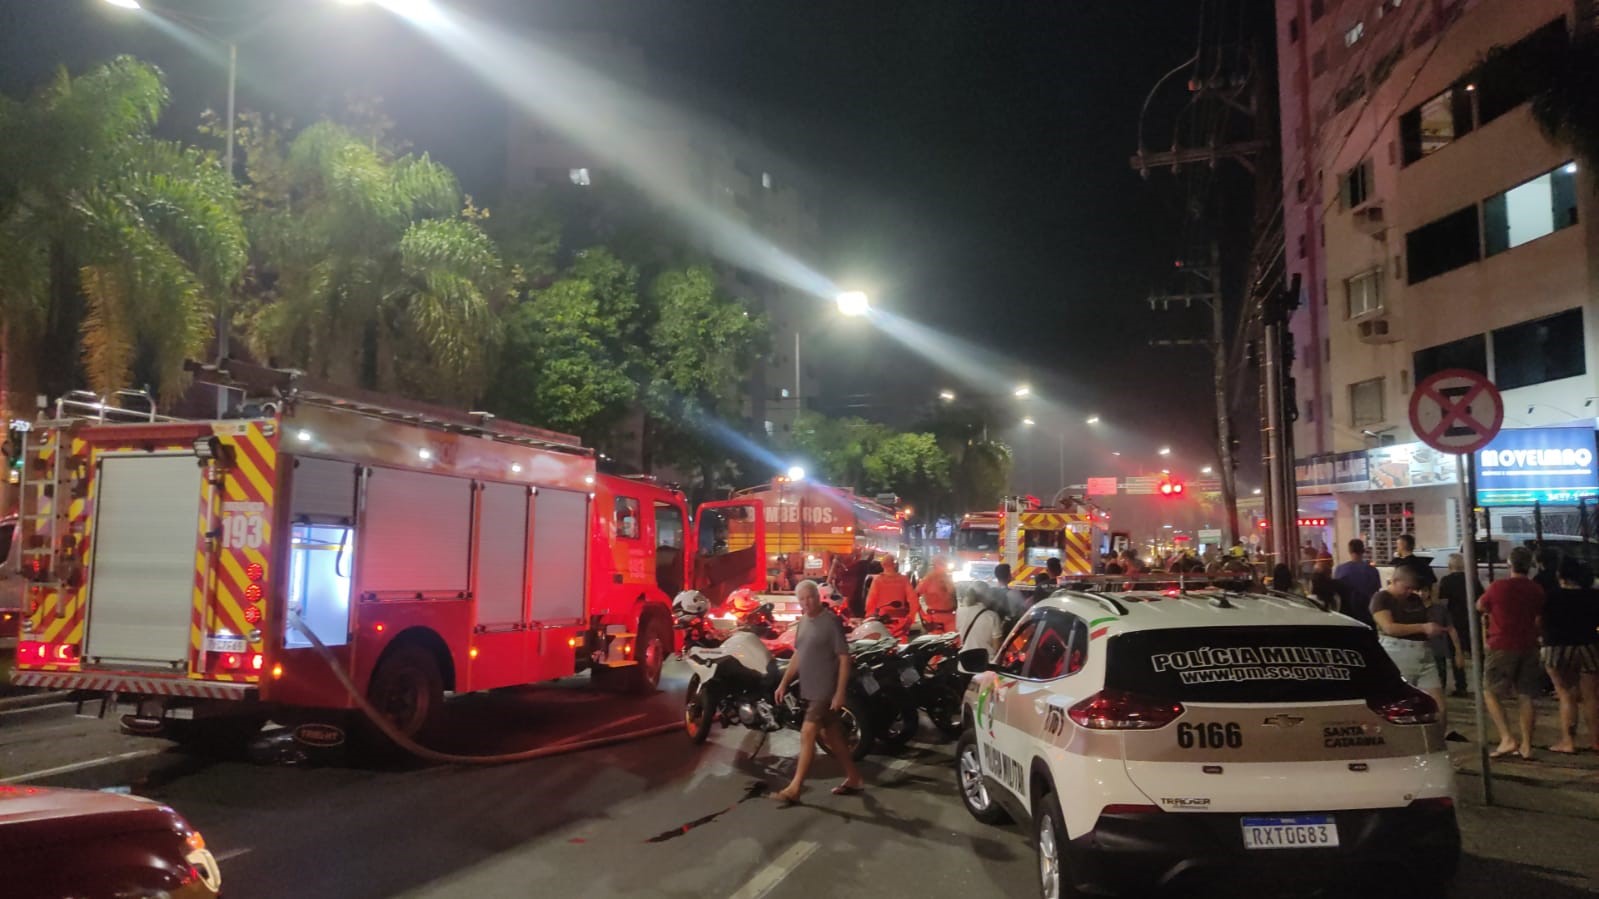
231,853
36,708
79,766
766,879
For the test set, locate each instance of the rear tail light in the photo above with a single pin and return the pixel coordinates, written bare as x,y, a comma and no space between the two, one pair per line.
1120,710
1411,707
255,661
66,652
232,660
36,653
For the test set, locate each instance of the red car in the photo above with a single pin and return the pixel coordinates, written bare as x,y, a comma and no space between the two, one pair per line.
56,843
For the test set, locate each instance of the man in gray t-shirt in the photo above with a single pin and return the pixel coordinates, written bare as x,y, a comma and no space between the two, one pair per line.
821,662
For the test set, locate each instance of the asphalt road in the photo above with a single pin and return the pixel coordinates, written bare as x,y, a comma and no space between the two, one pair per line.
656,817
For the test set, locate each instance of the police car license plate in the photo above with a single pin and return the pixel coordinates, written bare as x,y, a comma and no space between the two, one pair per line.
1296,832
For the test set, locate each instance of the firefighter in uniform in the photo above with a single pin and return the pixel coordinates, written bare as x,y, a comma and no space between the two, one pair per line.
892,599
937,593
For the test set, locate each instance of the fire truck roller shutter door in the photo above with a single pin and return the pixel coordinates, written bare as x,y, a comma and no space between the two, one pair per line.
323,492
141,592
415,533
560,554
502,554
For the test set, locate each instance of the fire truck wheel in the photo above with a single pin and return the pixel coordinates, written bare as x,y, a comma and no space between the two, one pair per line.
408,690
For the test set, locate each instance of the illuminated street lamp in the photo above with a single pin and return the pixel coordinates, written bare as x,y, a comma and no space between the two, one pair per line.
1164,451
1028,421
1206,470
796,473
1256,491
947,396
125,4
853,303
1092,420
1023,390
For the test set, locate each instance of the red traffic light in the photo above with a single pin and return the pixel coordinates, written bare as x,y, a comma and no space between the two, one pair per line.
1171,488
1265,525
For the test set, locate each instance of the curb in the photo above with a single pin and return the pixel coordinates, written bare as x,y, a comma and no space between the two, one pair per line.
34,699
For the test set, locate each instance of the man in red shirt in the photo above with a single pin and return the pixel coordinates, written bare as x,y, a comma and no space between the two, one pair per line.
1513,607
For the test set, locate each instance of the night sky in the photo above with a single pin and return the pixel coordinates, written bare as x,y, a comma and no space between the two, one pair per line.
970,156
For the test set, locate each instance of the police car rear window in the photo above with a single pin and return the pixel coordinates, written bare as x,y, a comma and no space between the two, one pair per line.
1251,664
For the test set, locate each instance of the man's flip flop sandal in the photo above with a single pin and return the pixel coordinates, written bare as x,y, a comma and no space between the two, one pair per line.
845,790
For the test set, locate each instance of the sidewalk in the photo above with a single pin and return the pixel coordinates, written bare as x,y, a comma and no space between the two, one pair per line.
1569,783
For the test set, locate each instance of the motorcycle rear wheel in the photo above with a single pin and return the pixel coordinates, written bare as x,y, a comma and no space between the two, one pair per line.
944,710
901,726
855,719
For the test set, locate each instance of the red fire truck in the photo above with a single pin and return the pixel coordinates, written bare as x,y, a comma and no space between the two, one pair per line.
429,550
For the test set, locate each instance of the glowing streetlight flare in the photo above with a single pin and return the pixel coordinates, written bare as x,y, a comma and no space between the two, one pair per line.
1092,420
1206,470
125,4
796,473
1024,390
1029,421
947,396
853,303
1164,451
1256,491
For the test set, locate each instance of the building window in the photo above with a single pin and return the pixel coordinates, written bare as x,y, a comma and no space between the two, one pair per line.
766,180
1364,293
1299,189
783,394
1380,525
771,429
1544,349
1354,34
1354,186
1436,123
1530,210
1310,410
1302,246
1469,353
1365,403
1442,246
626,517
579,177
1353,90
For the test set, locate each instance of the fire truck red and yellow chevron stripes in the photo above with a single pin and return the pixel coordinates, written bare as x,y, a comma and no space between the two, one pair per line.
244,544
1079,554
130,684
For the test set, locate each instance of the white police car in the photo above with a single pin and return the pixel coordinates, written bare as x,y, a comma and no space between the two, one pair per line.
1159,738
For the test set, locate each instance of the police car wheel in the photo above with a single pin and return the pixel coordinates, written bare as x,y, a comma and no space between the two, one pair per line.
1049,837
969,778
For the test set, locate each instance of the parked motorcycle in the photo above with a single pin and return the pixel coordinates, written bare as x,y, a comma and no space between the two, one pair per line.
941,684
887,677
735,682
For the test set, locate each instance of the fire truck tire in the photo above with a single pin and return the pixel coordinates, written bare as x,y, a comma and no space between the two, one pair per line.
408,690
654,644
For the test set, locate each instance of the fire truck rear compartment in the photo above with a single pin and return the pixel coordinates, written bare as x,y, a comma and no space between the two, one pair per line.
141,586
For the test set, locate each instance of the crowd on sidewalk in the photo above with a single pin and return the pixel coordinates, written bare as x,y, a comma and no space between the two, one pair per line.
1541,627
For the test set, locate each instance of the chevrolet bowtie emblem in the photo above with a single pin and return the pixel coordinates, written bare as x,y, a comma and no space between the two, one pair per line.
1283,720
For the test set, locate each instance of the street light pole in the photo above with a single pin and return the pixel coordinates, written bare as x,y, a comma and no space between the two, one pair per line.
799,379
227,163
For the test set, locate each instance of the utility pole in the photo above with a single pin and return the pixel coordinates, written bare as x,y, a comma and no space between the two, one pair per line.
1210,273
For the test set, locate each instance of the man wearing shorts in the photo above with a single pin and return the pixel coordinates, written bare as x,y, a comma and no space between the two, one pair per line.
1404,624
821,662
1513,606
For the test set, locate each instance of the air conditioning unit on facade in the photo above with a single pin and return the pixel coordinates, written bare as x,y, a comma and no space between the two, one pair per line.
1369,220
1376,329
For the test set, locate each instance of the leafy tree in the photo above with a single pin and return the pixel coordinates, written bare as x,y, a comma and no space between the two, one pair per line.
701,344
571,349
911,465
873,458
114,246
370,273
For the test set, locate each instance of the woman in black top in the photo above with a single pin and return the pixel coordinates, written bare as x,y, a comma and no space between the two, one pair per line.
1571,651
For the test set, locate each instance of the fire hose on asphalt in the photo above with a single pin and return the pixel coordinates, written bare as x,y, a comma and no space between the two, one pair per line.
445,758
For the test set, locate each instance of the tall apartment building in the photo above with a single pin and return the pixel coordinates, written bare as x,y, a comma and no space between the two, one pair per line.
1433,226
740,193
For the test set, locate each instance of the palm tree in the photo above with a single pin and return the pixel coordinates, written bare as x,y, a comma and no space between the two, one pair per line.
114,246
377,276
